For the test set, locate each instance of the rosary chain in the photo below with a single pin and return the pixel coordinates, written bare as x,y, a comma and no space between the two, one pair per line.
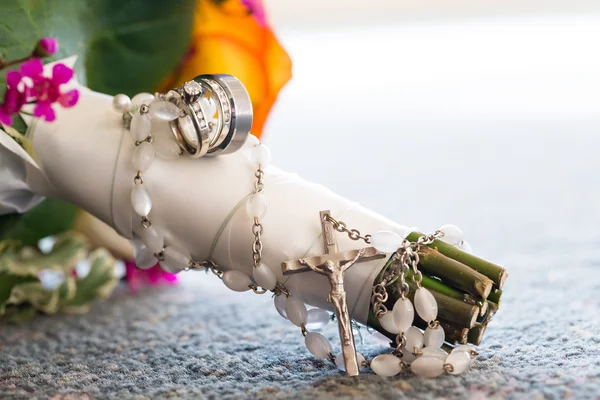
353,234
379,297
259,185
257,230
400,344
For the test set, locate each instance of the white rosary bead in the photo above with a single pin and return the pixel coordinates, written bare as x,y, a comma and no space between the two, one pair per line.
426,305
296,311
252,140
237,280
317,318
256,206
140,200
427,367
464,347
153,239
264,276
386,365
386,241
340,363
465,246
279,301
145,258
434,352
163,110
452,234
414,339
140,127
434,337
176,259
260,155
141,98
388,322
460,362
166,147
404,314
143,156
318,345
121,103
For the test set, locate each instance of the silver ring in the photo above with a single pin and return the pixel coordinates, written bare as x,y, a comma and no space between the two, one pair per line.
216,115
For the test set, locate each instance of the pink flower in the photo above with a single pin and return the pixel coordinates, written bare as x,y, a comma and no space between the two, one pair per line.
47,90
14,99
255,7
46,47
152,276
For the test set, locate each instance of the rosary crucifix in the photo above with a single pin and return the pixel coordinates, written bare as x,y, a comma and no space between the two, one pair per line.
333,265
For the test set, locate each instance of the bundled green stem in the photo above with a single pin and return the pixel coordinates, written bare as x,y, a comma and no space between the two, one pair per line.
495,272
455,273
494,297
450,309
467,290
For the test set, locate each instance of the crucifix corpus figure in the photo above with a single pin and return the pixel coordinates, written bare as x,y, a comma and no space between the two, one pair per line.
333,265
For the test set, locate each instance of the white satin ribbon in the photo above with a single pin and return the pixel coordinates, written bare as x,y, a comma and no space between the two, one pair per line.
86,156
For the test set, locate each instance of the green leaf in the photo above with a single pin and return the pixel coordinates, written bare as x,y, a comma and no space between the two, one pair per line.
50,217
7,283
69,249
20,287
124,46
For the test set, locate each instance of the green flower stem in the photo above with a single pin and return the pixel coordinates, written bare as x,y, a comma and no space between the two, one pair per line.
438,286
460,311
475,335
495,272
489,313
454,273
483,308
495,296
4,64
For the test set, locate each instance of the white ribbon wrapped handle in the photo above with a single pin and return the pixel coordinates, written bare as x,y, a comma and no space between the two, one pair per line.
85,157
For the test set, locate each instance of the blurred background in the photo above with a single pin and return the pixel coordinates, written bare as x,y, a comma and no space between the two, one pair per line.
481,114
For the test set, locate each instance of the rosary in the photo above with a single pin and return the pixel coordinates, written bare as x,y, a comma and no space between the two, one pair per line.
212,115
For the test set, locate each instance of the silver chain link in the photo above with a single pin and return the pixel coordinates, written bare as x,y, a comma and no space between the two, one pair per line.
353,234
379,297
257,228
406,258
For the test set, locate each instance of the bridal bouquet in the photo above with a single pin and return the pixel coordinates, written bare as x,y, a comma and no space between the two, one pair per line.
181,174
53,255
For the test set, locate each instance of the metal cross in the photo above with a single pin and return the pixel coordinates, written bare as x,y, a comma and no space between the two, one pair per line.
333,265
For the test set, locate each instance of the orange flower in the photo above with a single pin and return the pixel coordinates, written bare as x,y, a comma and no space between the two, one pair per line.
231,37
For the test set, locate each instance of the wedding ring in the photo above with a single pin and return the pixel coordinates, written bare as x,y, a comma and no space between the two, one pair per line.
216,115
